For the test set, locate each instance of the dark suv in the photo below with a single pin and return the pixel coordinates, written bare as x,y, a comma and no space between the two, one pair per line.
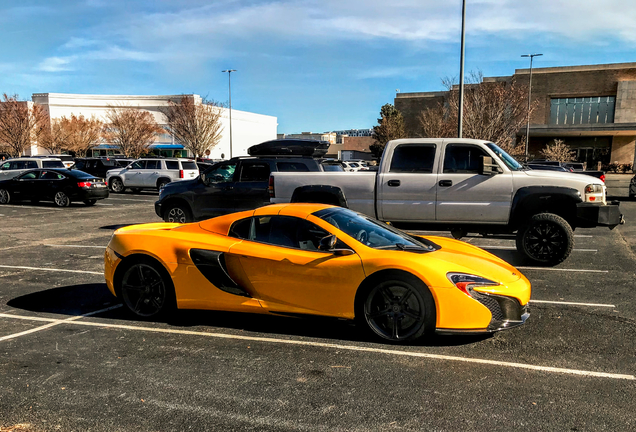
226,187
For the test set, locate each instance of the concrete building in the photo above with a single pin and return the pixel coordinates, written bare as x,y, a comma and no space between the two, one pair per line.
247,128
351,148
592,108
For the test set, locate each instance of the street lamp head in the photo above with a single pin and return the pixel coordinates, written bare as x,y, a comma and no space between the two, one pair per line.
531,55
229,70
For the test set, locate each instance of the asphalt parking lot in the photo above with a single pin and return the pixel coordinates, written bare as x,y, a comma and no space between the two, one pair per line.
72,360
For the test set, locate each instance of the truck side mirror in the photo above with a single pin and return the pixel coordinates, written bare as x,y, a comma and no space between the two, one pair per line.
487,167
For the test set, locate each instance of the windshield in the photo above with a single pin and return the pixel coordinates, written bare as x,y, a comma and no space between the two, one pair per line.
510,162
52,164
371,232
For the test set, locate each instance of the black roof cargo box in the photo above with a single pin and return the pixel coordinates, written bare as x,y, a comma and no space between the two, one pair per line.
290,147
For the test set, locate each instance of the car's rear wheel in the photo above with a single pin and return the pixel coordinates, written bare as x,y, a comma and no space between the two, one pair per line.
90,202
399,309
146,289
162,183
117,186
178,213
61,199
5,196
547,239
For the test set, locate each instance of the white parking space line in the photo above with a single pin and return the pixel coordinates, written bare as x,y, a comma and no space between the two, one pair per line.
573,303
51,269
52,323
514,248
564,270
583,236
33,207
344,347
135,200
75,246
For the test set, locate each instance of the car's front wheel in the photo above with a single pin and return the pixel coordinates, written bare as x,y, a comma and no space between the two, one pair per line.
5,196
399,309
146,289
178,213
117,186
547,239
61,199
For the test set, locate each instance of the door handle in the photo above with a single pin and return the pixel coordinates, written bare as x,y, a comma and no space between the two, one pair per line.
393,183
229,188
445,183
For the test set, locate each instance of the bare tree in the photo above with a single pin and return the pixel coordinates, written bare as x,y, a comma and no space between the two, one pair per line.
19,123
80,134
130,129
558,151
51,136
197,126
493,111
390,126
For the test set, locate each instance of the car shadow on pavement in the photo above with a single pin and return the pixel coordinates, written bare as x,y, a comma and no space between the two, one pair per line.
116,227
75,300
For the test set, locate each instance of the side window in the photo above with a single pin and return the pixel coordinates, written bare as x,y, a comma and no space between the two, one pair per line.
172,165
31,164
31,175
291,167
139,165
80,165
153,164
254,172
51,175
241,229
413,158
5,166
223,173
461,158
18,165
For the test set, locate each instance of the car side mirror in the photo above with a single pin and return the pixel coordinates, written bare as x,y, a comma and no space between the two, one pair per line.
327,243
487,167
342,252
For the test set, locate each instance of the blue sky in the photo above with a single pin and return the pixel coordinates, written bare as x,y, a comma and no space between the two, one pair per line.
317,65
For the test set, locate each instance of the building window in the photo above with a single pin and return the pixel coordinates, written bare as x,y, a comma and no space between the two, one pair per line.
582,110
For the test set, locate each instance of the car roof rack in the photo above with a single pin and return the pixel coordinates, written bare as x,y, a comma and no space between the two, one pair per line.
290,147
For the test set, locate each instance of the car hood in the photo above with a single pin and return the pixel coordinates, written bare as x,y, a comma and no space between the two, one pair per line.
466,258
567,176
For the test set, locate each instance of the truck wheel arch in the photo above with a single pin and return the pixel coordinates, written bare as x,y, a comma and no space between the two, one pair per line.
532,200
321,194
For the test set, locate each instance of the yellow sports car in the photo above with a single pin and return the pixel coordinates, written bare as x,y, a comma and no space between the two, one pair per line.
319,260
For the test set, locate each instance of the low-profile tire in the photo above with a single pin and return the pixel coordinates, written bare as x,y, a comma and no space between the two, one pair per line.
90,202
61,199
178,213
117,185
162,183
399,308
547,239
5,196
145,288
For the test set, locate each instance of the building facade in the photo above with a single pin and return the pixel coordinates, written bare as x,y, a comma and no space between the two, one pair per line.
247,128
591,108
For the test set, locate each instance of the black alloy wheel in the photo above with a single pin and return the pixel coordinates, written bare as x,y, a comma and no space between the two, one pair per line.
146,290
178,214
117,186
400,309
90,202
5,196
547,239
61,199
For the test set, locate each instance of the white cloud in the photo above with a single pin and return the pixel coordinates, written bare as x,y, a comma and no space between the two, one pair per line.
56,64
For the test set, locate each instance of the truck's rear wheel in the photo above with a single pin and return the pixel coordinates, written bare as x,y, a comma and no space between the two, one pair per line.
547,239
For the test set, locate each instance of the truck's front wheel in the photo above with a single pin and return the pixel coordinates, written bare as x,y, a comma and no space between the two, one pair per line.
547,239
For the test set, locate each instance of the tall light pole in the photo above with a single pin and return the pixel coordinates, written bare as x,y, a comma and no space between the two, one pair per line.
460,114
532,56
229,86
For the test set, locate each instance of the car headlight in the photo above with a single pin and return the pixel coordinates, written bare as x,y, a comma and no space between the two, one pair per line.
466,282
595,193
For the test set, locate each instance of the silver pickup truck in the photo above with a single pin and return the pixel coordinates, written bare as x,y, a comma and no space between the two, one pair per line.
463,185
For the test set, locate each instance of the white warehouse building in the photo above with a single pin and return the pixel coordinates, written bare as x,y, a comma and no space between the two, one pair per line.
247,128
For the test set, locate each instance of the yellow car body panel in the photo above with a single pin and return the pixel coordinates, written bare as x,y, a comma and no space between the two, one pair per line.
289,280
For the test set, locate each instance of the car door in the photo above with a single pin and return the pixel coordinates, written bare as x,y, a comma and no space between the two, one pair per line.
407,192
52,182
463,195
150,173
250,191
288,273
26,185
133,176
213,194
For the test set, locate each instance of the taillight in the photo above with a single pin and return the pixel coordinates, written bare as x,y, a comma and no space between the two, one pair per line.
602,177
270,187
180,173
84,184
466,282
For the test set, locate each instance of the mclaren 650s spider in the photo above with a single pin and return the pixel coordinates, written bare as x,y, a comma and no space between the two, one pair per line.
316,259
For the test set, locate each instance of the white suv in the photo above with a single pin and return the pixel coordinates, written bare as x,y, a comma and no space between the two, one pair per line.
14,167
149,173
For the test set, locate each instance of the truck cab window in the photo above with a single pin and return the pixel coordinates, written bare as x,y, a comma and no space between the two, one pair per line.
413,158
